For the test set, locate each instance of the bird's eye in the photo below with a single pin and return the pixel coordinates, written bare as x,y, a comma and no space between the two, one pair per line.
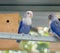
27,13
59,19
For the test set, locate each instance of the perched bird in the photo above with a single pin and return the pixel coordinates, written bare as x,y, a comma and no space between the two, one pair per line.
54,25
25,24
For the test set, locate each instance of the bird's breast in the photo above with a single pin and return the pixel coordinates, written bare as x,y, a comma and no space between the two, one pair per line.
25,28
27,21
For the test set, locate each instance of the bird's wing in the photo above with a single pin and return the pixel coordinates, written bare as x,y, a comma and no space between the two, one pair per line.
55,27
20,25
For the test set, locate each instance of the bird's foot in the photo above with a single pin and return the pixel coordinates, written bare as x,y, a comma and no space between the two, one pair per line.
22,34
56,36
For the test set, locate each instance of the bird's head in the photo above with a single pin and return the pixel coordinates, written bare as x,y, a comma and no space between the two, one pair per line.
52,17
29,14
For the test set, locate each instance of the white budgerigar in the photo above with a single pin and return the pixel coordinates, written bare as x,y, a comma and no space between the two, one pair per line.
54,25
25,24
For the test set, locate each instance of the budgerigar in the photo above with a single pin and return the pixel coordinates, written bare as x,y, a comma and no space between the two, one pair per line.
54,25
25,24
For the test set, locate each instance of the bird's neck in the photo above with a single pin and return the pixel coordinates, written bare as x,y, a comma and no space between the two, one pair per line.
27,21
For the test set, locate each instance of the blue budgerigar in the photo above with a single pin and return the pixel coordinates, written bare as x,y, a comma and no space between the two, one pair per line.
25,24
54,25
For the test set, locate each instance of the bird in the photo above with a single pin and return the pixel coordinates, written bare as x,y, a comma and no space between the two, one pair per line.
25,24
54,25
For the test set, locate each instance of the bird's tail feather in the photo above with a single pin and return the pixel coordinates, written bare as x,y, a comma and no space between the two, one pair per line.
18,41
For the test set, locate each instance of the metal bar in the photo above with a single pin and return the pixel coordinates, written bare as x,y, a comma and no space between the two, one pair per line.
29,4
33,8
28,37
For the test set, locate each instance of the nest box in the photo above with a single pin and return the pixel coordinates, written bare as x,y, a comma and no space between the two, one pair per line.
9,24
